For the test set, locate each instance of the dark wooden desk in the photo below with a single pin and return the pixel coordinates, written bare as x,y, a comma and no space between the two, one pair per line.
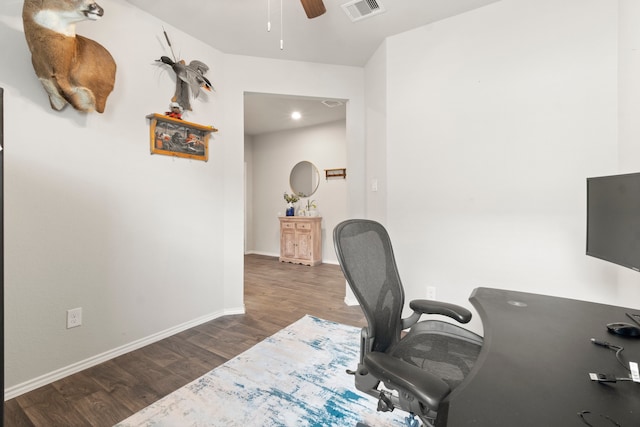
534,365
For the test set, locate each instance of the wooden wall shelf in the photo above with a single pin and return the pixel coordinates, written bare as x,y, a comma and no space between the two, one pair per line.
179,138
335,173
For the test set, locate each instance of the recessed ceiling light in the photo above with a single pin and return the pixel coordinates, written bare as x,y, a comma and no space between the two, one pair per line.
296,115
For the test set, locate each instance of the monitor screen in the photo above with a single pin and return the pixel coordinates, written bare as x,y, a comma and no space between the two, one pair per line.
613,219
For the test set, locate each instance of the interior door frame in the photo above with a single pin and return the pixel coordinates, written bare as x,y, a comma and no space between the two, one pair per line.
2,245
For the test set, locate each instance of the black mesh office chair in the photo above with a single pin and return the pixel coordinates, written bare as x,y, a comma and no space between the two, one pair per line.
413,371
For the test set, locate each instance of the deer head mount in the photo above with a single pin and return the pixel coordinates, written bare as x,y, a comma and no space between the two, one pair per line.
72,69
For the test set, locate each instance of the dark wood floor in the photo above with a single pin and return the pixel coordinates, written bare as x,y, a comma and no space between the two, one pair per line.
276,295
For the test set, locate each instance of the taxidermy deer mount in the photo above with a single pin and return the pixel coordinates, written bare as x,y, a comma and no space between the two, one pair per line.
73,69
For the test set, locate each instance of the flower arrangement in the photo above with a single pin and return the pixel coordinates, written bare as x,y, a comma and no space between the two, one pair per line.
311,204
291,198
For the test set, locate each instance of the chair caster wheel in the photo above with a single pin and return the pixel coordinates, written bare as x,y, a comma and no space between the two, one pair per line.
411,421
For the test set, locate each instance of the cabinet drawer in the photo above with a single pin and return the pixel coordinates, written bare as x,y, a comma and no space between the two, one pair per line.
303,226
288,225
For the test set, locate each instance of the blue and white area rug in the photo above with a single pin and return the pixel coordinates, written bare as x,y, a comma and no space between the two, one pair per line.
293,378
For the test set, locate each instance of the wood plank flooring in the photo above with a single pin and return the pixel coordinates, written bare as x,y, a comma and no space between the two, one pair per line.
276,295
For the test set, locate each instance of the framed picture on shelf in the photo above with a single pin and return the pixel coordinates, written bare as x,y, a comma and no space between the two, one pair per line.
179,138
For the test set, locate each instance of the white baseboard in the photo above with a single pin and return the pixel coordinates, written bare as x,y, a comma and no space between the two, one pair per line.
27,386
271,254
277,255
350,301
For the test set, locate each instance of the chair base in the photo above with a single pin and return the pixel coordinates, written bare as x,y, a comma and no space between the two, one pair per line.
388,400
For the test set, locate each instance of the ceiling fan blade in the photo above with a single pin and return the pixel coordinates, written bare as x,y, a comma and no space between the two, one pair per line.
313,8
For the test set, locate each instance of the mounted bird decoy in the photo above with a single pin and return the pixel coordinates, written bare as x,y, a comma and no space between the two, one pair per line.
189,78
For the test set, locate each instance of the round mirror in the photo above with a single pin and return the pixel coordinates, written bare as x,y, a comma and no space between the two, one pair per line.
304,179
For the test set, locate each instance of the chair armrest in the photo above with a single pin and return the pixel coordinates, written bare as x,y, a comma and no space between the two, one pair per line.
428,388
453,311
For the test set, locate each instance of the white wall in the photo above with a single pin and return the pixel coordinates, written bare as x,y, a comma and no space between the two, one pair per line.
274,155
248,197
92,219
146,245
376,129
492,129
628,113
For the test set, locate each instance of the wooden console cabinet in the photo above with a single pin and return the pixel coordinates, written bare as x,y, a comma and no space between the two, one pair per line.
301,240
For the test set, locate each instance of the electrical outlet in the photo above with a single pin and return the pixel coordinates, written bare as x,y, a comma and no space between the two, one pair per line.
431,292
74,317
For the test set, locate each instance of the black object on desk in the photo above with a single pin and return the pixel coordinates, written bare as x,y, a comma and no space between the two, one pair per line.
635,317
624,329
534,366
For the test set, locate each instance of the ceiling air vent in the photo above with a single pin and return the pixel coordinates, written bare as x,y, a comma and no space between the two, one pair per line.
332,103
357,10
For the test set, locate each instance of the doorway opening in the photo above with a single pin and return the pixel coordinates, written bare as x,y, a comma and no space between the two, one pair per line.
274,144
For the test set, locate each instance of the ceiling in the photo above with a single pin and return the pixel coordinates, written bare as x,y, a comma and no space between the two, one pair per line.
264,113
240,27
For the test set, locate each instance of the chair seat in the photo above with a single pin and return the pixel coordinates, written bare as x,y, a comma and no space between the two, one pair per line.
443,349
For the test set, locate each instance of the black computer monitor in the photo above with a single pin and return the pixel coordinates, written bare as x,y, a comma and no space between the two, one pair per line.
613,219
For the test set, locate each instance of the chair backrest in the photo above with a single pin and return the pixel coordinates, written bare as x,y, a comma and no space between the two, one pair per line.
366,257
